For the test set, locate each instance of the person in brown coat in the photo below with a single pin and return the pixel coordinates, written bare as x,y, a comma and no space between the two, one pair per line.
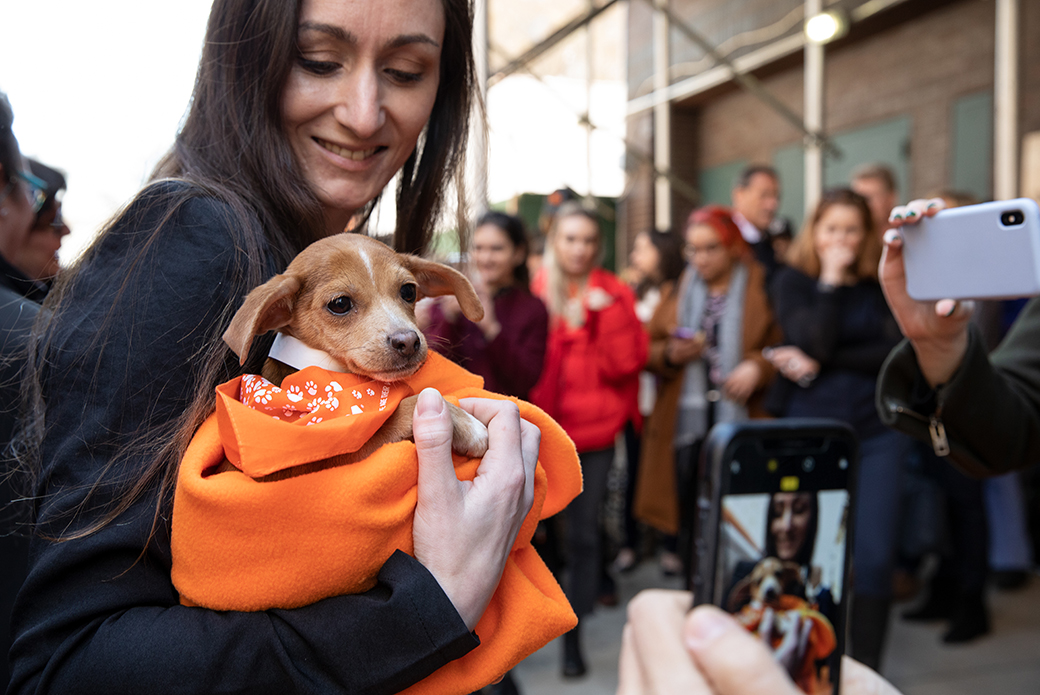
706,341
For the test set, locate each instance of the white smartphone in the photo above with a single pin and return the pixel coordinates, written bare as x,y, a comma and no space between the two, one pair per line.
986,251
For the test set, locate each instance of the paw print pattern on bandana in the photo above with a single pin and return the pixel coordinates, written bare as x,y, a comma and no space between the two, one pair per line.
310,400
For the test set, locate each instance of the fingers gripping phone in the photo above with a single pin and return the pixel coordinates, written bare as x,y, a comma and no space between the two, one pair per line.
772,538
985,251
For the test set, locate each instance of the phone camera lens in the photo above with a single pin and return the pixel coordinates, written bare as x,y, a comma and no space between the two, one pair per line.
735,467
808,464
1012,218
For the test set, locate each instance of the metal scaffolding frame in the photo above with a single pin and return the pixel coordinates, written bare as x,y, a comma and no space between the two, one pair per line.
811,124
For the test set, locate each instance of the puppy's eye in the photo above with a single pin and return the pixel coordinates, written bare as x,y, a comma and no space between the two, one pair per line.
408,293
340,305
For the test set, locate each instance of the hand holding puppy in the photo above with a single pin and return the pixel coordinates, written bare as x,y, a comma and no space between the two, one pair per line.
464,530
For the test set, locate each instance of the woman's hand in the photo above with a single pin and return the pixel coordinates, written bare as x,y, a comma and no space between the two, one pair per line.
464,530
680,351
667,651
938,331
742,381
835,263
488,325
598,299
794,631
793,363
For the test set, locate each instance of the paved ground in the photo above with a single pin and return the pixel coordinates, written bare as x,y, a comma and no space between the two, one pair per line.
1007,662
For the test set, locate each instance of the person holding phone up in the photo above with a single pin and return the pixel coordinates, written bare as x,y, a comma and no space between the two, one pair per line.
939,385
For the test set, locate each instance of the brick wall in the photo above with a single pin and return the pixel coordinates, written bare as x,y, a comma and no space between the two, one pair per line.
916,69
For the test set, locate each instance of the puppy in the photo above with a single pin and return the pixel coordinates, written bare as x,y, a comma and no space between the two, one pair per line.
347,303
770,579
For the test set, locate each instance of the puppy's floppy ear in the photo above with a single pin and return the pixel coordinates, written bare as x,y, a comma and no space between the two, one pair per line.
267,307
436,279
739,595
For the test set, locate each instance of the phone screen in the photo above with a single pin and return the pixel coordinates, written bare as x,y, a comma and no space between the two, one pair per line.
781,552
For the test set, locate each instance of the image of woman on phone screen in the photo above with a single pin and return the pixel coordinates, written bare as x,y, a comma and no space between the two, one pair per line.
780,593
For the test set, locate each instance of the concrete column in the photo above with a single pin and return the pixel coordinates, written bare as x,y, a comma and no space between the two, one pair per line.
1005,101
662,120
813,112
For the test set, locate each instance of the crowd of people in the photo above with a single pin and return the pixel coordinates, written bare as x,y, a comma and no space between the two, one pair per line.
728,318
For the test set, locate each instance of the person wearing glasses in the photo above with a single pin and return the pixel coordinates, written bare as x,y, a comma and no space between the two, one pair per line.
20,200
48,230
706,342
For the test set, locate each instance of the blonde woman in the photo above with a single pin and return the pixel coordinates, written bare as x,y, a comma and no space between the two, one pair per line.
589,384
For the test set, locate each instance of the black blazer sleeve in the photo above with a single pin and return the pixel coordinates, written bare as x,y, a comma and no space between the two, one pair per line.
99,614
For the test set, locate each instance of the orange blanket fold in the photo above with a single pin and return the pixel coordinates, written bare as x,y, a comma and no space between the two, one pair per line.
240,544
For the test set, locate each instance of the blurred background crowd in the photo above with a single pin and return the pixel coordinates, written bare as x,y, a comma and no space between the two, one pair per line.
683,204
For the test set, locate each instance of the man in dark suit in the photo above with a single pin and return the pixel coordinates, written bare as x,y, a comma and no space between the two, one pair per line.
756,200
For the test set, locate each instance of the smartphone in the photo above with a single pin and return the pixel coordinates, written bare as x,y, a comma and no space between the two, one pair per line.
986,251
772,538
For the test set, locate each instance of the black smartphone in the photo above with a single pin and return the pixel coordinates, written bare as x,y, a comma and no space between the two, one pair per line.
772,538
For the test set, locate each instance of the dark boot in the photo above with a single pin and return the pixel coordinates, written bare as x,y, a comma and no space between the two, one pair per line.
942,601
869,625
970,620
573,661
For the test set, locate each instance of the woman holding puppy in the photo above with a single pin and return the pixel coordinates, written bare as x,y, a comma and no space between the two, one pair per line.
302,113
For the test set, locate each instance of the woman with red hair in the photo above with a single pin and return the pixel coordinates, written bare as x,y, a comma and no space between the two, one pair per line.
706,341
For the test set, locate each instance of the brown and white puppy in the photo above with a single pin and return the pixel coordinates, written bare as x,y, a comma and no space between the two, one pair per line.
770,579
353,298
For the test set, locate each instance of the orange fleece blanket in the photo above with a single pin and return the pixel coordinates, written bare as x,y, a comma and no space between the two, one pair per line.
246,545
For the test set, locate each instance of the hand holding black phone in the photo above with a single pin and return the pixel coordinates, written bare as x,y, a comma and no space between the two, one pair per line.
772,538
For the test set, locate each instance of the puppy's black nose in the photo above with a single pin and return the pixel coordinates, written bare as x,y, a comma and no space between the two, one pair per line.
405,342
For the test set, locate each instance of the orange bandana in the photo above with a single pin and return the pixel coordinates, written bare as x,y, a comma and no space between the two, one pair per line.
266,429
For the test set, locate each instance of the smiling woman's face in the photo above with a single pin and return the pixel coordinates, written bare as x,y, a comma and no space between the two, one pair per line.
360,94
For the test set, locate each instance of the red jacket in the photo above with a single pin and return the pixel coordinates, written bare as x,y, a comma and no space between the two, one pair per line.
591,376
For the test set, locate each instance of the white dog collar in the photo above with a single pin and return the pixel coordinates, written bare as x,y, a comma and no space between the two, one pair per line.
288,350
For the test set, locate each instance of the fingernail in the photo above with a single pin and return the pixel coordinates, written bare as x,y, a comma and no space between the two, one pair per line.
891,236
895,217
946,307
429,403
911,213
706,625
936,203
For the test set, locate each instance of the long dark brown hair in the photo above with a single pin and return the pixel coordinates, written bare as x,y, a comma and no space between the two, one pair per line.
232,148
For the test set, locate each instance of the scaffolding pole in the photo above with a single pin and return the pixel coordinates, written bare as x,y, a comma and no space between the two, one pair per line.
1005,102
814,78
662,118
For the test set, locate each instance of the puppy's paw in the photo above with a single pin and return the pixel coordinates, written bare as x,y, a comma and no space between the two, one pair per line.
469,435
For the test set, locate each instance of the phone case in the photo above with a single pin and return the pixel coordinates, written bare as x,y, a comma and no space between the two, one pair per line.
772,542
968,253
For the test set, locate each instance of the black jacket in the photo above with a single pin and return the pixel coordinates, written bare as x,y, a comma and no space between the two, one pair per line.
97,616
16,318
989,411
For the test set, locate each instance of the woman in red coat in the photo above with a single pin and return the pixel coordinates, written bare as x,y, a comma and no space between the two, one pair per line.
589,385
